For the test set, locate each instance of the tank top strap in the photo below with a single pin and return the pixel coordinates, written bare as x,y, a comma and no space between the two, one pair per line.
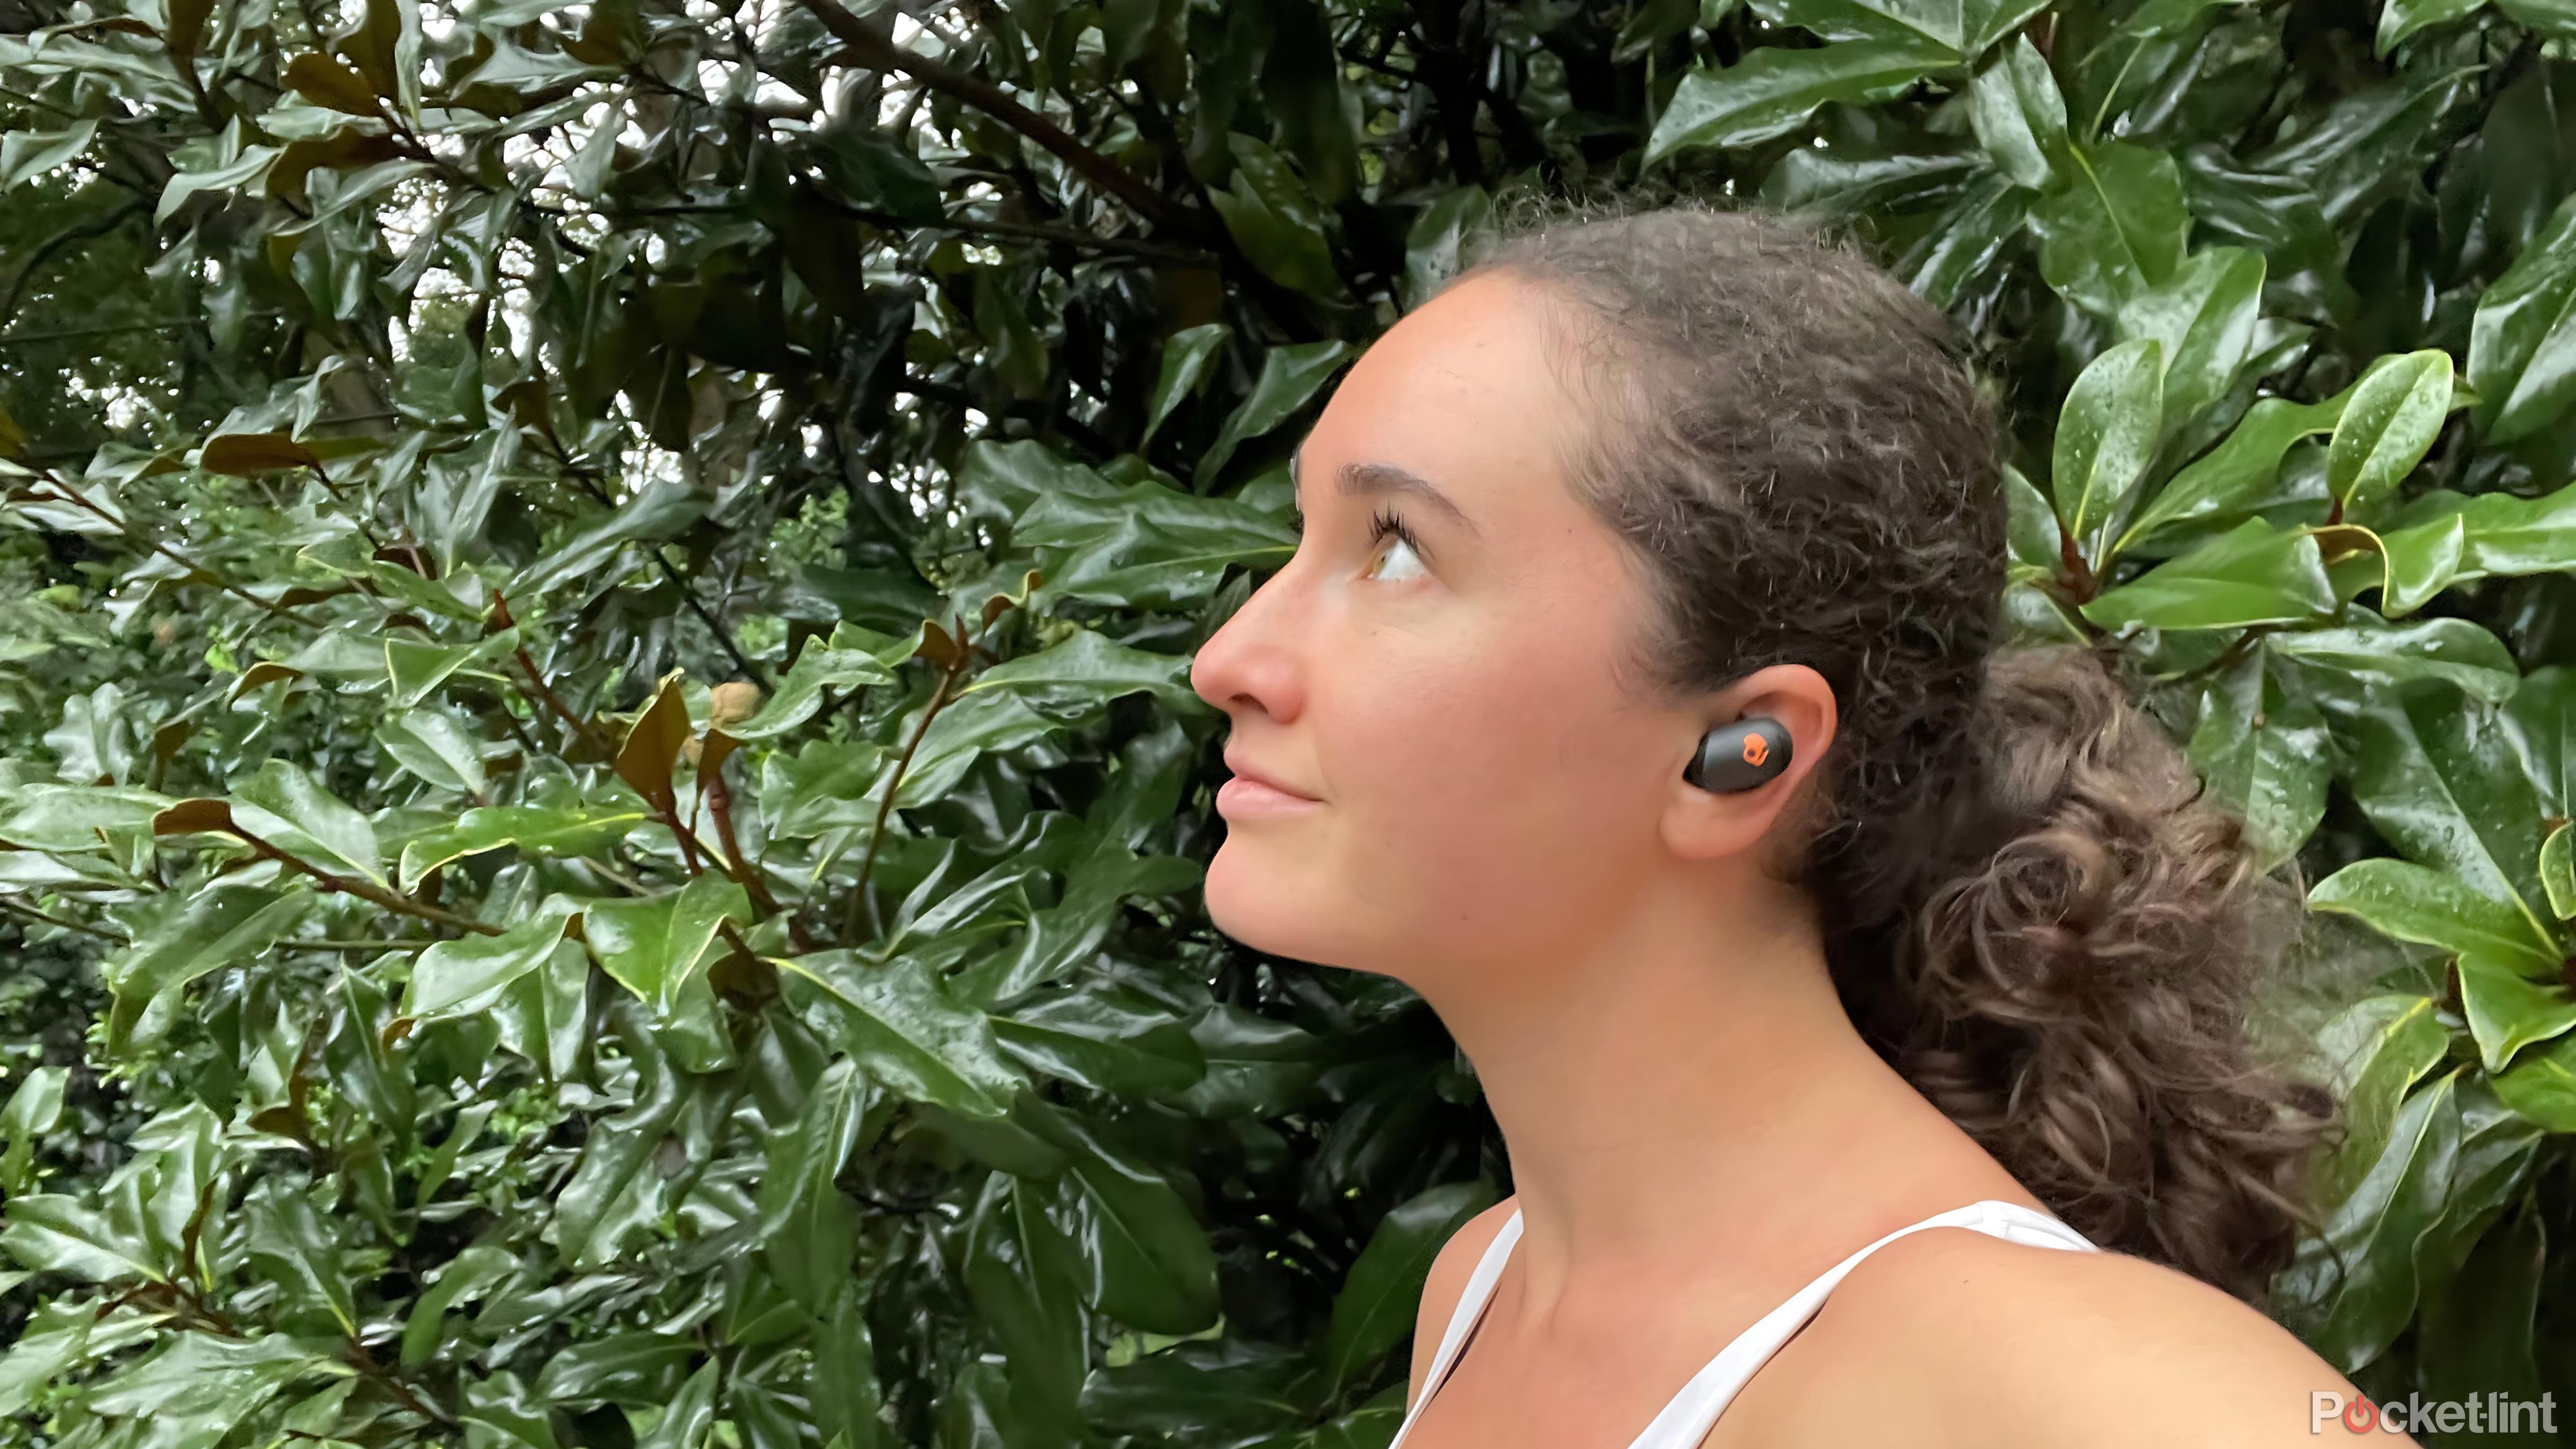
1464,1317
1686,1420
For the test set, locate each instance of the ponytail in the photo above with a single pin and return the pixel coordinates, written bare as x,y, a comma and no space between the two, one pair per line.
2076,999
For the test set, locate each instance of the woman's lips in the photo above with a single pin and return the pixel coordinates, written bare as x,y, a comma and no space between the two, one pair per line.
1248,794
1240,797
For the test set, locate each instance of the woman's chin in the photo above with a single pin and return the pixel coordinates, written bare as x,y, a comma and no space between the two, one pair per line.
1258,905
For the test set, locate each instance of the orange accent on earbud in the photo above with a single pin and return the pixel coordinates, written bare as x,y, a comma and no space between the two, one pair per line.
1755,750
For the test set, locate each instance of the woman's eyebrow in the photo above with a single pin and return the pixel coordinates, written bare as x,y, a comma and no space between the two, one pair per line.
1365,479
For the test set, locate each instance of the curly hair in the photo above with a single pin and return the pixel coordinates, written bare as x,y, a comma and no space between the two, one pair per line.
2028,910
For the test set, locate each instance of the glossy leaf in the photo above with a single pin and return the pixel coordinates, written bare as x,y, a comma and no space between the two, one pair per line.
2249,575
2105,436
893,1018
1290,378
2522,348
2019,116
2203,317
1775,89
2387,426
2113,227
1375,1309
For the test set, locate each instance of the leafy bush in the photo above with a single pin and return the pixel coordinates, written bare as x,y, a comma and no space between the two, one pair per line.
602,807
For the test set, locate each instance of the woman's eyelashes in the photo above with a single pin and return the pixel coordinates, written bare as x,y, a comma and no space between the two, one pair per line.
1389,524
1383,525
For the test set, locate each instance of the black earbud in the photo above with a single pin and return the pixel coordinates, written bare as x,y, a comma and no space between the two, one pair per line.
1740,756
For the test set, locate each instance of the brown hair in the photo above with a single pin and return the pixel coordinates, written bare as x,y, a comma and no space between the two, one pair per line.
2028,910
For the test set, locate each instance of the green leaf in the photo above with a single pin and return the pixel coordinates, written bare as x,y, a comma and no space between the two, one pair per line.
2106,432
1150,1263
1381,1295
2540,720
27,155
1186,355
2418,903
2492,534
2019,116
843,1386
2235,471
1966,241
2204,316
460,977
1071,680
2387,427
1026,1278
33,1109
2522,347
2558,870
690,1414
2266,758
504,1413
2443,785
2508,1008
659,512
536,830
1290,378
433,744
1773,91
615,1191
289,1247
656,947
2374,142
2250,575
197,1388
896,1021
245,171
2420,563
51,1232
2114,226
2541,1085
1149,547
821,666
415,670
878,171
1111,1040
2375,655
637,1367
54,817
221,924
1256,1066
292,811
2350,1290
2399,19
808,1230
2377,1049
1278,222
475,1270
1961,29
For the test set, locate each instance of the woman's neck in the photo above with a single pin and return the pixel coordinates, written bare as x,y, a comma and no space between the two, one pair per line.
1666,1100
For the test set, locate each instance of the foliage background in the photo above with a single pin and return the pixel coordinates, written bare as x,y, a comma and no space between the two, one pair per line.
601,807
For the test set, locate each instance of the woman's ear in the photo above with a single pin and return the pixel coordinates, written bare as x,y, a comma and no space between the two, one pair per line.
1702,823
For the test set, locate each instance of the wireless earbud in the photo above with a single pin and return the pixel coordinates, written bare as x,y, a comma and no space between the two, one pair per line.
1740,756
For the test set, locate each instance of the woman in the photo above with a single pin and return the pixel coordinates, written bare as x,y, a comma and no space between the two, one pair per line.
1958,952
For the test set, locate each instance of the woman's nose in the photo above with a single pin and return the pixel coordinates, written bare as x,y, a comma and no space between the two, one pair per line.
1250,661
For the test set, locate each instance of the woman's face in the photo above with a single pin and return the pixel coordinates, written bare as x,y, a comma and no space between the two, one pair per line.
1431,673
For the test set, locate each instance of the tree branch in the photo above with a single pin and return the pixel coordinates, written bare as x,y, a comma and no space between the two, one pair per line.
82,230
866,47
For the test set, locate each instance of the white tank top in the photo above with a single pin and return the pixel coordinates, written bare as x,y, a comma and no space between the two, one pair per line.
1686,1420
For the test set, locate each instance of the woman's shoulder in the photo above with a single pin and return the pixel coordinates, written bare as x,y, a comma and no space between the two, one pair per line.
1960,1337
1446,1283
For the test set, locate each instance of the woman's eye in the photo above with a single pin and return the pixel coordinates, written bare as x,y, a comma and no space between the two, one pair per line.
1398,547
